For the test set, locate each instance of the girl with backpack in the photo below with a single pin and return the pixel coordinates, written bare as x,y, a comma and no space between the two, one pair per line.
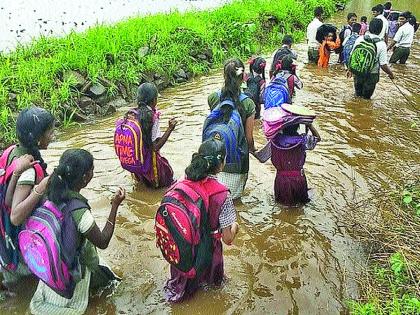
142,157
22,190
255,83
200,175
73,173
288,154
286,72
231,90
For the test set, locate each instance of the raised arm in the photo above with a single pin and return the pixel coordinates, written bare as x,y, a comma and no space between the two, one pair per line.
160,142
102,238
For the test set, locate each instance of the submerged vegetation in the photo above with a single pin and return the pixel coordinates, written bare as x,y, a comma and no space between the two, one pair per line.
56,73
391,284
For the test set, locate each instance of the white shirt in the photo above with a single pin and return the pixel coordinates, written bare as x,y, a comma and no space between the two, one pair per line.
311,33
381,54
385,26
405,35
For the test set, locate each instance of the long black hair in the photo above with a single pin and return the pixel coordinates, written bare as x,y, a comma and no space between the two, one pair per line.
147,93
207,161
31,125
233,72
68,175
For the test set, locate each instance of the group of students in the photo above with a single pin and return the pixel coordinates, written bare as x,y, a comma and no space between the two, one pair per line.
46,224
362,48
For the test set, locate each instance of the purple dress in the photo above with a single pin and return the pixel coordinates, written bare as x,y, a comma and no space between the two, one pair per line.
179,287
288,154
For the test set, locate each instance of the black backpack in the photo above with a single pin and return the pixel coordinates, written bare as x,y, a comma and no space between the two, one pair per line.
253,88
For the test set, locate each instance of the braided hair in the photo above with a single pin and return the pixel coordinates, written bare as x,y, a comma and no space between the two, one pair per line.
207,161
68,175
31,125
146,94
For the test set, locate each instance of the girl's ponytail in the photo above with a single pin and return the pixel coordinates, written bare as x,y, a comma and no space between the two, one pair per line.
147,93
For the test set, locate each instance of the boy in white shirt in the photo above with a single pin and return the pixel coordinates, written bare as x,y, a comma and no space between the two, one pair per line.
377,12
365,84
313,45
402,40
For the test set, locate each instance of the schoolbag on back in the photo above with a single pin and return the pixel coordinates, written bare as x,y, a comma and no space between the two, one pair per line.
363,58
231,133
49,246
253,88
276,93
347,48
9,254
182,227
129,145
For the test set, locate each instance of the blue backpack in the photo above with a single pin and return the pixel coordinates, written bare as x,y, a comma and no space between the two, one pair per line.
276,93
347,48
231,133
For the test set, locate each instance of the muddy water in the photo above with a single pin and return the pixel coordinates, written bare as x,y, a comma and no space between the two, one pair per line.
284,261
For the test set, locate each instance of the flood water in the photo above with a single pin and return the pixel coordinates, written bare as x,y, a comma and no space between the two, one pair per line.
284,261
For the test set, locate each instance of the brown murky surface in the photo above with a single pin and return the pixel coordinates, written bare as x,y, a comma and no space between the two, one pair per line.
284,261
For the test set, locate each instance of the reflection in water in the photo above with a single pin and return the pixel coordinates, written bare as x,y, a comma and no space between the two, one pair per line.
285,261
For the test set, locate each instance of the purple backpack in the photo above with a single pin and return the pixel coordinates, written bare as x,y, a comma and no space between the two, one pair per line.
129,145
49,245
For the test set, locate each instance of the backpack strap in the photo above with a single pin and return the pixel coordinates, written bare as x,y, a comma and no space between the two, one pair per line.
75,204
242,96
5,156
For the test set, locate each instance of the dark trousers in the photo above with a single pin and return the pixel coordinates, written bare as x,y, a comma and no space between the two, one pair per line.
313,55
400,54
365,85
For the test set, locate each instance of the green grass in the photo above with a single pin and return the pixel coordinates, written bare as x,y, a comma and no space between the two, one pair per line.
391,285
34,72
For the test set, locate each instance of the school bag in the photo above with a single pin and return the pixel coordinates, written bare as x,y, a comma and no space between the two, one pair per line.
49,246
363,58
276,92
182,226
253,88
9,254
347,48
231,133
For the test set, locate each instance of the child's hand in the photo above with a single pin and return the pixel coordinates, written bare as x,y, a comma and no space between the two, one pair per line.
24,163
172,123
118,197
391,76
349,74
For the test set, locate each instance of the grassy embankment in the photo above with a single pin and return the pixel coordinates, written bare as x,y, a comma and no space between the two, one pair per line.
152,48
391,284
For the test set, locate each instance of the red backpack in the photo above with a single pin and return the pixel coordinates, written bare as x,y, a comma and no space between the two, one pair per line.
9,253
182,226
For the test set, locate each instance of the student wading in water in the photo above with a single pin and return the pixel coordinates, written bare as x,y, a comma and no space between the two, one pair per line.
73,173
226,106
138,140
217,223
34,130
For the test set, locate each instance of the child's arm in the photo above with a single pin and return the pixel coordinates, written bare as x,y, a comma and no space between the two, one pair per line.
229,233
333,45
298,83
159,142
24,163
314,132
25,199
249,132
102,238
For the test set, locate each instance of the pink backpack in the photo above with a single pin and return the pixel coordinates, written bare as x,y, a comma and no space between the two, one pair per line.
50,247
9,254
182,226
